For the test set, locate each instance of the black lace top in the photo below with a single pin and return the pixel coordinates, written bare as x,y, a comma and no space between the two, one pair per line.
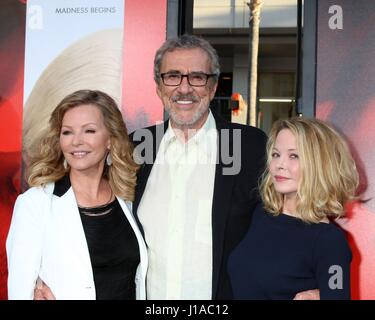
113,249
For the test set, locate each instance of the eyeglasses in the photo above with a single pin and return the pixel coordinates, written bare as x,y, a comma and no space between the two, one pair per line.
195,79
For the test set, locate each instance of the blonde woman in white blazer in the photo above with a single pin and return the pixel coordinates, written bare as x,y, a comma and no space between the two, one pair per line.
74,228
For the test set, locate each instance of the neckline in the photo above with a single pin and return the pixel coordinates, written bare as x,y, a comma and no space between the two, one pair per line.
100,207
286,218
289,217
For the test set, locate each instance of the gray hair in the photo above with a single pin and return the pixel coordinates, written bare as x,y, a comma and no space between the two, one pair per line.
187,41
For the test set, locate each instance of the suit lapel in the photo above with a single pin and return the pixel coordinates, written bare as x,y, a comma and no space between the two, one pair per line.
157,133
221,204
72,234
65,209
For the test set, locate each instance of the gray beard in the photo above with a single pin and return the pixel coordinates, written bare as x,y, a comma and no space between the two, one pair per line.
186,124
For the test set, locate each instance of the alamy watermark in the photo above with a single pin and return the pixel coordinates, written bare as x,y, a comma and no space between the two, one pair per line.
228,149
335,281
336,20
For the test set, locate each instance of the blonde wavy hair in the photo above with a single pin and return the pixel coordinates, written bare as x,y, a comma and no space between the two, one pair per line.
46,165
329,177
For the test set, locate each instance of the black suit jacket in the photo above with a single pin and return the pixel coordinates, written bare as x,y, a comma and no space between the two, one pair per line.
235,195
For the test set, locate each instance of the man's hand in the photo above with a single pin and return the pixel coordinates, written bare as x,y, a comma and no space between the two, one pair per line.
308,295
42,291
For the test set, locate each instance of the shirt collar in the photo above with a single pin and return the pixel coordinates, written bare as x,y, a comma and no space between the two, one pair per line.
200,138
207,126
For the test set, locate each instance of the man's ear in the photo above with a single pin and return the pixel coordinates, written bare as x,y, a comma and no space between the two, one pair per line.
158,91
213,91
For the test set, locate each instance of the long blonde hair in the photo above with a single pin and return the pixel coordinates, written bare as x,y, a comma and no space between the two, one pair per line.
329,176
46,165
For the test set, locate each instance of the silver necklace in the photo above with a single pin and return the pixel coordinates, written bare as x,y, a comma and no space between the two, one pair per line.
88,213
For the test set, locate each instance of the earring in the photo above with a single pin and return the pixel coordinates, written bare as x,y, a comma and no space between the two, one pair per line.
109,159
65,164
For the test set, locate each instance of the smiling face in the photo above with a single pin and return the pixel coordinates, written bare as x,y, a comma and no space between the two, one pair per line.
84,139
187,105
284,165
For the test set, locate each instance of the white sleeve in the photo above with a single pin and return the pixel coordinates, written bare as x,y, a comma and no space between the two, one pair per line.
24,245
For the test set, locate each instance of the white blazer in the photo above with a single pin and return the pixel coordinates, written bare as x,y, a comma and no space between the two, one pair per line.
46,239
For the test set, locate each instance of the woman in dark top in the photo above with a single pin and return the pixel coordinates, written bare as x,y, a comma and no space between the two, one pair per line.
74,228
292,245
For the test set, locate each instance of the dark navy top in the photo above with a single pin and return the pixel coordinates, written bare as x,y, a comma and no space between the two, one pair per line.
282,255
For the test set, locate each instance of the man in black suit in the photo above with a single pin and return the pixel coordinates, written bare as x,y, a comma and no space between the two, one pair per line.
193,213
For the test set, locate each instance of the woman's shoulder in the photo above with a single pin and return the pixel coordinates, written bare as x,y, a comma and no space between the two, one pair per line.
259,207
330,230
259,210
33,202
331,239
38,192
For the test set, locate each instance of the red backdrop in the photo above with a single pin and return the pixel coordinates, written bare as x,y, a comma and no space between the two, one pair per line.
12,45
345,97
